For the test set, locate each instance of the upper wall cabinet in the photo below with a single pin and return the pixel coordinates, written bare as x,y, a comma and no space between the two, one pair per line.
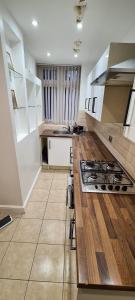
107,101
113,66
108,104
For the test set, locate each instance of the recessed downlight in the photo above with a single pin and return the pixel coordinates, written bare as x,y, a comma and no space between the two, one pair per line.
34,22
75,55
48,54
79,25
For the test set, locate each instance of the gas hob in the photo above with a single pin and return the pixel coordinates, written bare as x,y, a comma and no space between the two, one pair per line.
105,177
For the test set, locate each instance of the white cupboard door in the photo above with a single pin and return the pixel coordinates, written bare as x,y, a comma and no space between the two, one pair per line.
129,130
59,151
88,93
99,101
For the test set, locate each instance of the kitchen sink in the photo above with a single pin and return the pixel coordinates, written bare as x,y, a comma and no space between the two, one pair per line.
61,132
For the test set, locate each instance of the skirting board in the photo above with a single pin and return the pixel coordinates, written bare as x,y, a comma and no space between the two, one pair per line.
17,208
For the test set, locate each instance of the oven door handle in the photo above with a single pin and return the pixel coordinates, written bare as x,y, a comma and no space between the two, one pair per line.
71,234
70,197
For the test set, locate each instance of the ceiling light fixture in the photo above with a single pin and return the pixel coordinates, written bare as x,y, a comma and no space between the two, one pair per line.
34,22
80,8
75,55
79,24
48,54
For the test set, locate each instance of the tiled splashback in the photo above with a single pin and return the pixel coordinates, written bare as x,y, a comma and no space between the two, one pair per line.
121,148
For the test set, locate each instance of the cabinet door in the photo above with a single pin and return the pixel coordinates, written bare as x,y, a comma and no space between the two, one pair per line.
101,65
97,102
59,151
129,130
88,94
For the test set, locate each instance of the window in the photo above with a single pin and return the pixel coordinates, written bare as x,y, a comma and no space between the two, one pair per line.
61,86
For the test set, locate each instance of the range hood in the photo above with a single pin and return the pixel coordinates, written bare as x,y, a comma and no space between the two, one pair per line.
119,74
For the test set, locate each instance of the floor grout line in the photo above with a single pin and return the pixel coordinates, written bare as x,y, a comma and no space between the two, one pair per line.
37,244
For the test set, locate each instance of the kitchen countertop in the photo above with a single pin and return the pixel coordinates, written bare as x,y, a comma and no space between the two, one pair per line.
105,227
50,133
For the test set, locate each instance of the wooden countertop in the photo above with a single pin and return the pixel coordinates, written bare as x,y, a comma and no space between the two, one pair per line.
105,227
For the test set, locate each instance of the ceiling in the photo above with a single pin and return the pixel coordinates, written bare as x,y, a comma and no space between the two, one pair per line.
105,21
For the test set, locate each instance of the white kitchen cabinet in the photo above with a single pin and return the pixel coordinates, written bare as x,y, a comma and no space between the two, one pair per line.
94,100
59,151
106,103
101,65
89,94
129,122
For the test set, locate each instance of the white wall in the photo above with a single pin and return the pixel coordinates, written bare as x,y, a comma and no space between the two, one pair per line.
10,191
19,162
130,36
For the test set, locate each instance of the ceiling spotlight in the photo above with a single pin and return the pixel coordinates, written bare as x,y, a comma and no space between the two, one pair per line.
48,54
75,55
34,23
79,24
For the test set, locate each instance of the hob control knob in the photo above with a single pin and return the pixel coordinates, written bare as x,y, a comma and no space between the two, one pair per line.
110,187
96,187
124,188
117,188
103,187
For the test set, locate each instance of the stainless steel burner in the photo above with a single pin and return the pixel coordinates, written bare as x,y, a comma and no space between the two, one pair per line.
110,165
117,177
93,176
105,177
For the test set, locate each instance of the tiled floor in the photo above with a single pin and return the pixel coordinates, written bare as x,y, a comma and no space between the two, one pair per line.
36,262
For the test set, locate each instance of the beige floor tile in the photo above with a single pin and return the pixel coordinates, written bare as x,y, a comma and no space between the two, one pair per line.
59,185
27,231
44,291
60,176
48,263
12,289
35,210
57,196
39,195
44,184
3,248
17,261
52,232
70,291
7,232
55,211
70,273
46,175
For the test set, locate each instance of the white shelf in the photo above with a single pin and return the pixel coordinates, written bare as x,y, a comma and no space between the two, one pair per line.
29,76
32,118
21,123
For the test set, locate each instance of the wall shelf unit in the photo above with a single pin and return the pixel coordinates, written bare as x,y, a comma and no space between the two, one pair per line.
20,96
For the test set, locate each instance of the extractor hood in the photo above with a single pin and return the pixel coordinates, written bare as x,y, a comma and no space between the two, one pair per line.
119,74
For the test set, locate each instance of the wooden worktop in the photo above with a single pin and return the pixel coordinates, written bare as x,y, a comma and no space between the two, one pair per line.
105,227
